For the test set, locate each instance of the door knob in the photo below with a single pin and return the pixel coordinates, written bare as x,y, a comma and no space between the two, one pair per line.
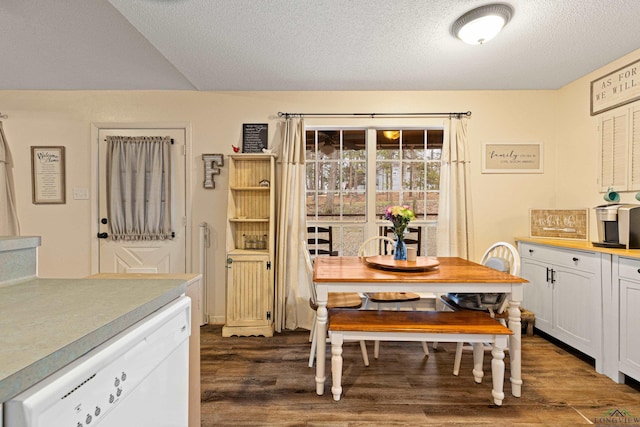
102,235
104,220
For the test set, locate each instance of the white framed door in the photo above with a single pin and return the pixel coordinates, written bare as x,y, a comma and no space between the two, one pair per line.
147,256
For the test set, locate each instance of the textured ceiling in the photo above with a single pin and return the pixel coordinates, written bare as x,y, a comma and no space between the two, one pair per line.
304,44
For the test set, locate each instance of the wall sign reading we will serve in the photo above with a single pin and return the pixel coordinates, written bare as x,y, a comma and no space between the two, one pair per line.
617,88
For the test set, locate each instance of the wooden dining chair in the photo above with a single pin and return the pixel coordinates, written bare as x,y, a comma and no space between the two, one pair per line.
335,300
500,256
320,240
382,245
412,237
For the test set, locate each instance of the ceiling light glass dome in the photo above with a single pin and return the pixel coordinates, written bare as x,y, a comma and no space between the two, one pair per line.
480,25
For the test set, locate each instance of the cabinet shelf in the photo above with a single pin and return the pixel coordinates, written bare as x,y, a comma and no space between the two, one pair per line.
248,251
250,188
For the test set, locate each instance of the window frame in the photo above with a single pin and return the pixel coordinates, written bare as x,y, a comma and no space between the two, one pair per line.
371,224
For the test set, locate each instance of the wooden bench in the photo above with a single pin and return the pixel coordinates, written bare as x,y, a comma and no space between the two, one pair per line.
442,326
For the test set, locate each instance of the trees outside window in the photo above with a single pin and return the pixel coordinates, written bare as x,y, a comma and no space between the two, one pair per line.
352,175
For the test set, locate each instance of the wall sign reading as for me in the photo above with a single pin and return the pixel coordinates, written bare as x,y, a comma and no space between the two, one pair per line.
512,157
617,88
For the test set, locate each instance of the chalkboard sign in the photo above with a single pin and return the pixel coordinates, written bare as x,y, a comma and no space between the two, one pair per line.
254,137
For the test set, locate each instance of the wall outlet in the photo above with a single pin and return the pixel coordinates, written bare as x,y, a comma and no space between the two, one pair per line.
81,194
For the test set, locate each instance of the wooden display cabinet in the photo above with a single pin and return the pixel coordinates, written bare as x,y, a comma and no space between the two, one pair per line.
250,245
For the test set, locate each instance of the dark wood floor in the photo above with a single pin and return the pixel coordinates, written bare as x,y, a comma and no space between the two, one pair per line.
257,381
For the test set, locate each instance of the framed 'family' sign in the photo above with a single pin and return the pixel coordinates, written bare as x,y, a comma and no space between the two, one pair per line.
512,157
47,175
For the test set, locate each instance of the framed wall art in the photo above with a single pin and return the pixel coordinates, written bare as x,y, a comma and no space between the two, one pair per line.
559,223
48,175
617,88
254,137
512,157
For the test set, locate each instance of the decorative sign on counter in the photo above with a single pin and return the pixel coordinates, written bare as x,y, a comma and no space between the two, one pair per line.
514,157
254,137
617,88
560,223
48,175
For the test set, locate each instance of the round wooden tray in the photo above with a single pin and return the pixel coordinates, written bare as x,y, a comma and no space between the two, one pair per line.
386,262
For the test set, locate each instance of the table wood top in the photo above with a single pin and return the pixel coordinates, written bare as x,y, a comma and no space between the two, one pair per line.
343,269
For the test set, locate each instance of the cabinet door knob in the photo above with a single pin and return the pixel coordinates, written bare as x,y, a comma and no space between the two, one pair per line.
575,259
531,251
639,270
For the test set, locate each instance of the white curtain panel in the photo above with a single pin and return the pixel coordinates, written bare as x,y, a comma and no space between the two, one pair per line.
292,284
9,225
139,187
455,213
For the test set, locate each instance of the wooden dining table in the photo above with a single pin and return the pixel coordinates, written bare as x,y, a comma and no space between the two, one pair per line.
445,274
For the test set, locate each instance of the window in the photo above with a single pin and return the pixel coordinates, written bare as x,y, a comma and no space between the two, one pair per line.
352,175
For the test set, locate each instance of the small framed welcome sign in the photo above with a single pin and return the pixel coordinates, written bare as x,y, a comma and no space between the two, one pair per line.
47,175
512,157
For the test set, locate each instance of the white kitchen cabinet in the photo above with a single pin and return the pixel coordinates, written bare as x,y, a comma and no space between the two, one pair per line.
250,245
564,293
628,279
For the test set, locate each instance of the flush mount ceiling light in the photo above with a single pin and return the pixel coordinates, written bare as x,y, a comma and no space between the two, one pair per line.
481,24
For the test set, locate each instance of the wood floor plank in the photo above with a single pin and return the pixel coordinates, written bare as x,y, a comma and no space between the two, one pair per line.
257,381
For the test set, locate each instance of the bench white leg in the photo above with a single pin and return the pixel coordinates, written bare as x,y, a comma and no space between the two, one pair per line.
365,355
376,349
425,348
478,359
497,369
458,358
336,364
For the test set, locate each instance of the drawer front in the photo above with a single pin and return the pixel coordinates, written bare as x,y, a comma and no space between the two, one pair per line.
581,260
629,268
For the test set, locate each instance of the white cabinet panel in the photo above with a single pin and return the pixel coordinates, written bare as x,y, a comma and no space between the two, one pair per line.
537,293
564,293
629,300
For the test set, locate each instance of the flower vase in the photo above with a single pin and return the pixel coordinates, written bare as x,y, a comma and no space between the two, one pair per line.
400,252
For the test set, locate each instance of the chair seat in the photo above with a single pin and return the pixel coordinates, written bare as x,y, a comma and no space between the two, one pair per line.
452,305
341,300
393,297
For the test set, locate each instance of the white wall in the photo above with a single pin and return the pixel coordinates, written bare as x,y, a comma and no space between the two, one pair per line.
558,119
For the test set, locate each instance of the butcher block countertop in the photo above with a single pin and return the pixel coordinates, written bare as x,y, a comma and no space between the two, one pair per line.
48,323
580,245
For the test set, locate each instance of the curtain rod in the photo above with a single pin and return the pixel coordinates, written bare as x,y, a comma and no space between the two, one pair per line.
374,115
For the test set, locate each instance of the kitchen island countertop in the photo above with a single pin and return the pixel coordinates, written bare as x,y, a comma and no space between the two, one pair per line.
48,323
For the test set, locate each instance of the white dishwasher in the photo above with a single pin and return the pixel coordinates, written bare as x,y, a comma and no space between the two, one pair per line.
138,378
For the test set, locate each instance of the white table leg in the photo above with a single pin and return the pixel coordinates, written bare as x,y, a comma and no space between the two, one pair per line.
515,348
478,359
497,369
336,364
321,344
